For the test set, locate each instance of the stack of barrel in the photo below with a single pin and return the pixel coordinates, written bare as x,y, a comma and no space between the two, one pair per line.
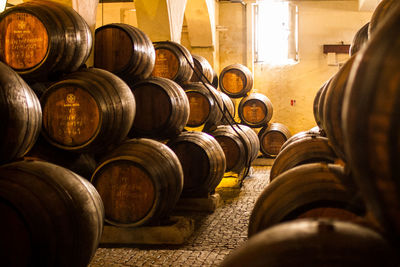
334,191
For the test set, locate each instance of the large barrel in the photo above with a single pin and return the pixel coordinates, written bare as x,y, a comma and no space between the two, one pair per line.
255,110
310,148
236,80
21,115
318,104
272,137
203,162
124,50
139,182
202,70
88,110
359,39
314,242
41,38
371,123
50,216
162,108
205,103
309,190
173,61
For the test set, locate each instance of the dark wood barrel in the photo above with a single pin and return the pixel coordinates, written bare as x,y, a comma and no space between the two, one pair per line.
21,115
310,148
124,50
309,190
215,79
255,110
205,104
252,139
359,39
317,106
229,109
313,132
272,137
332,113
236,80
202,70
162,108
88,110
139,182
380,13
237,148
314,242
41,38
371,124
203,162
50,216
173,61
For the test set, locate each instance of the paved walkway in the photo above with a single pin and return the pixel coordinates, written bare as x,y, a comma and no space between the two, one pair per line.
215,235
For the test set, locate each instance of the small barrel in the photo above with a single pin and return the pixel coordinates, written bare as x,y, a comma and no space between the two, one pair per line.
359,39
314,242
317,108
379,15
203,162
21,115
173,61
88,110
255,110
50,216
205,104
162,108
309,190
139,182
236,80
310,148
124,50
237,149
202,70
248,133
272,137
42,38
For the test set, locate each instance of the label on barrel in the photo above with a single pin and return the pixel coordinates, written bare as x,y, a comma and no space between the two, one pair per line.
24,41
253,112
233,81
166,64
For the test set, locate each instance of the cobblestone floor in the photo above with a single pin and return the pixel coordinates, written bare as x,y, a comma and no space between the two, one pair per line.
215,235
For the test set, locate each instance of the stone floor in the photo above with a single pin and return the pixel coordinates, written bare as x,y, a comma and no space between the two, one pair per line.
214,237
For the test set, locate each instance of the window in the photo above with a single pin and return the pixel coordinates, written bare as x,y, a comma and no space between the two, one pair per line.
275,32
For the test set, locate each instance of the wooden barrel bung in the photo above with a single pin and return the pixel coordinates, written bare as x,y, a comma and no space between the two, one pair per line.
52,216
87,111
236,80
140,182
272,137
314,242
21,115
124,50
43,38
314,189
255,110
203,162
173,61
162,108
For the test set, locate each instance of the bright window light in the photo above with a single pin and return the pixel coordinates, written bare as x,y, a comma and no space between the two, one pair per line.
275,32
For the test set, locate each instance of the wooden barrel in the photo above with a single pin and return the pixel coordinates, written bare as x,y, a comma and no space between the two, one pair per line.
88,110
229,109
215,79
203,162
124,50
236,147
162,108
310,148
272,137
173,61
309,190
50,216
313,133
42,38
255,110
332,114
359,39
252,139
236,80
380,13
21,115
317,106
205,103
139,182
371,124
202,70
314,242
